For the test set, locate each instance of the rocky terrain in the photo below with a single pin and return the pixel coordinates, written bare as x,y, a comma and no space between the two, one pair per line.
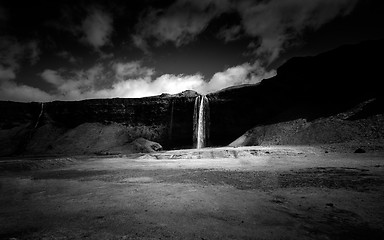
332,98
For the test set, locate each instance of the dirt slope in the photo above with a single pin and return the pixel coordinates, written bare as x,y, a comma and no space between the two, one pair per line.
349,128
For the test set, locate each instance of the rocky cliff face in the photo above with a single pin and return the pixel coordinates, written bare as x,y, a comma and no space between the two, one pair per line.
164,119
27,128
305,91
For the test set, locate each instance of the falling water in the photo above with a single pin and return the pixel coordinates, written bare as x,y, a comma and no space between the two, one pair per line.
41,113
201,121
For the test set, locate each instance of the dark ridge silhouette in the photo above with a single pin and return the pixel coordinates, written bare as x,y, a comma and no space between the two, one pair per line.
304,88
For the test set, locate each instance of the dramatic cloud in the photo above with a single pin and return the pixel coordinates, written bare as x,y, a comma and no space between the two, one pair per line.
132,80
12,53
97,28
127,80
180,23
74,85
276,22
35,52
132,70
230,33
52,77
242,74
6,73
273,23
142,87
141,43
11,91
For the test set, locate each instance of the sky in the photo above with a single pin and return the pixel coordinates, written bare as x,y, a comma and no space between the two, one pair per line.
74,50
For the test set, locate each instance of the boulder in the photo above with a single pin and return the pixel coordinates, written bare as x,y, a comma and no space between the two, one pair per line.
143,145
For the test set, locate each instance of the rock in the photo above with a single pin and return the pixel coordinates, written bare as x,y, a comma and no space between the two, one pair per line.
145,146
359,150
147,157
187,93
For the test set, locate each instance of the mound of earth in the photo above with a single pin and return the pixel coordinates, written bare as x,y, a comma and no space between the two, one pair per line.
346,127
87,138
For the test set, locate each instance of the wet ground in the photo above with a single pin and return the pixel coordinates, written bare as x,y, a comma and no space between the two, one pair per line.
221,193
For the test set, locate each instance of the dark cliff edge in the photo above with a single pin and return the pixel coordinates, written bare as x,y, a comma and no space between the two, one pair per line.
309,97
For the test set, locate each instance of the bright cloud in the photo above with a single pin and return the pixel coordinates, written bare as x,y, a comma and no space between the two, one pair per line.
10,90
132,80
242,74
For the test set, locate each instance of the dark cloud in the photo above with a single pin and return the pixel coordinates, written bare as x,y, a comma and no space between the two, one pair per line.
180,23
68,56
276,22
89,24
229,34
3,14
273,22
97,28
13,53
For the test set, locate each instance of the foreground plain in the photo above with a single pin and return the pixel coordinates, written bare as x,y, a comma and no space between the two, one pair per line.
214,193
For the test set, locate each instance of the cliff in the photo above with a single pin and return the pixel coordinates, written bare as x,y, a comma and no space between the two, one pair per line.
95,125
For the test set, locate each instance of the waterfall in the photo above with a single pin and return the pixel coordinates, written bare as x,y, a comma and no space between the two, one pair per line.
41,113
201,121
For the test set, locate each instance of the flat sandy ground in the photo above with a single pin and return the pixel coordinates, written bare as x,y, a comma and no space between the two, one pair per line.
217,193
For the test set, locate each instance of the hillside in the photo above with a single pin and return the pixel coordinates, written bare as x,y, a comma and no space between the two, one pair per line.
305,102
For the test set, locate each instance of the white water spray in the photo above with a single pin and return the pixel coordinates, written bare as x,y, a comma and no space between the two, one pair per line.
41,113
201,121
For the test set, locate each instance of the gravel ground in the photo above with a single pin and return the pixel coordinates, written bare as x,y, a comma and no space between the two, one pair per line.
216,193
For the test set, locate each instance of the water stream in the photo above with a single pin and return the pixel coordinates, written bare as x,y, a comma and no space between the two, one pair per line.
201,121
